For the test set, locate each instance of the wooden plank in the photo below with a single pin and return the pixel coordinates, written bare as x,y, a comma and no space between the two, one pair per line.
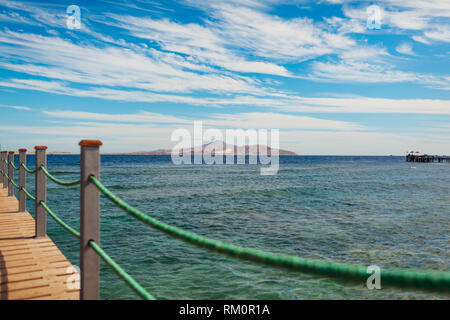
30,268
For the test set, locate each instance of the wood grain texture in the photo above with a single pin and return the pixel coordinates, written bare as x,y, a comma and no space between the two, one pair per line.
31,268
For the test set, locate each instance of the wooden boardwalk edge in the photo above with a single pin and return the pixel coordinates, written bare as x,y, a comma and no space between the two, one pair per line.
30,267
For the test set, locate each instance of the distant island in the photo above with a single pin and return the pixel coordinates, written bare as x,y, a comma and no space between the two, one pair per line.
216,148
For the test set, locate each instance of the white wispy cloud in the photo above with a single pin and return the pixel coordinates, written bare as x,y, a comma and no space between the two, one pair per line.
360,71
263,120
257,120
405,48
421,39
282,102
429,17
371,105
14,107
403,14
236,28
355,71
436,8
269,36
365,53
36,14
60,59
191,57
439,33
142,117
15,18
201,43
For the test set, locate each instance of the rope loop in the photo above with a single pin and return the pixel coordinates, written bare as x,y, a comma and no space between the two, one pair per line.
58,181
14,167
29,195
59,221
27,169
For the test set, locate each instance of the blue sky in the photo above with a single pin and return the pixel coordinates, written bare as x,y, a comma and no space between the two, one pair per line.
137,70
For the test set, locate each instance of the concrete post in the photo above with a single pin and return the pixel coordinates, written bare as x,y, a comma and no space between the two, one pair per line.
4,156
10,173
41,191
89,219
22,180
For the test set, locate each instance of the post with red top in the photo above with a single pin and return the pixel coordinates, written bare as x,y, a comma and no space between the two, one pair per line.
89,219
22,180
41,191
4,156
10,173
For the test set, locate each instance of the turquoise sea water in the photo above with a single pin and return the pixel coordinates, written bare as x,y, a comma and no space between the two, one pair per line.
365,210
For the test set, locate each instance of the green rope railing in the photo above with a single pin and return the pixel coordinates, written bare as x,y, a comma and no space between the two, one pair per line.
58,181
27,169
438,280
29,195
14,184
133,284
59,221
12,181
14,167
21,165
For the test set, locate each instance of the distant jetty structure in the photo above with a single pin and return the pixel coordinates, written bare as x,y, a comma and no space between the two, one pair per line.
417,157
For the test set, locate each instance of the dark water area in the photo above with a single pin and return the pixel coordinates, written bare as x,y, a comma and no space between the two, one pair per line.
364,210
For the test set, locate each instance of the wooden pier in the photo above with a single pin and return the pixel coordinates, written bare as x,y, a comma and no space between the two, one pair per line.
30,267
426,158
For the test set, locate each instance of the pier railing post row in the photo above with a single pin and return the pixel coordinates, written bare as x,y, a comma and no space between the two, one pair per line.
41,191
22,180
10,173
89,219
4,157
